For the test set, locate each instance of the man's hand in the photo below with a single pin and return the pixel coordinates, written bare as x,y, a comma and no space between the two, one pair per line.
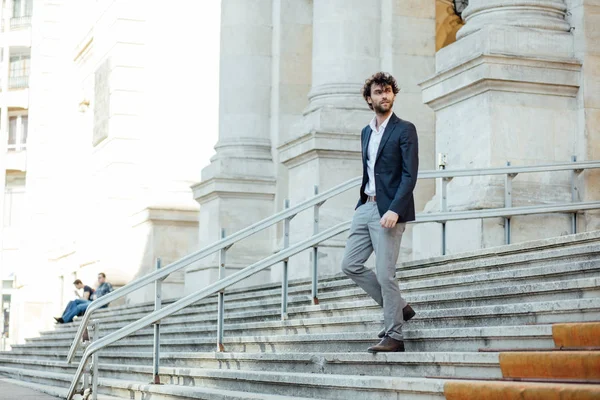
389,219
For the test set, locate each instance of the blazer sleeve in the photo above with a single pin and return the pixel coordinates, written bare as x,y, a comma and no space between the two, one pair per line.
409,147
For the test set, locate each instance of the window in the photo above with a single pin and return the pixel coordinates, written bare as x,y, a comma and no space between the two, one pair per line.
14,201
21,15
6,316
22,8
18,75
17,132
24,125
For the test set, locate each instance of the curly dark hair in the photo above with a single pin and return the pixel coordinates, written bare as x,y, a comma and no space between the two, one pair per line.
380,78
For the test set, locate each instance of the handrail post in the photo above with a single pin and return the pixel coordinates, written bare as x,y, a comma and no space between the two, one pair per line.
443,199
508,179
89,390
157,306
315,258
574,194
444,208
284,280
221,298
85,389
95,361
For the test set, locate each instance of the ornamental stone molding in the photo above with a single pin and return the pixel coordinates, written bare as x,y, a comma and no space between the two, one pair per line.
535,14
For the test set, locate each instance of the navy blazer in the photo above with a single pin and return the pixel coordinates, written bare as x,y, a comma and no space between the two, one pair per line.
396,168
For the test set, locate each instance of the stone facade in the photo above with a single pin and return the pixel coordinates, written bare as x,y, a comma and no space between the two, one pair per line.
508,90
120,115
114,146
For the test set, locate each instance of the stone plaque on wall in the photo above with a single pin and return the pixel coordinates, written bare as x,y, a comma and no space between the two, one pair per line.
101,102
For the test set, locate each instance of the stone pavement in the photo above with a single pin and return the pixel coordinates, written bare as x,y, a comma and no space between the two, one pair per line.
10,391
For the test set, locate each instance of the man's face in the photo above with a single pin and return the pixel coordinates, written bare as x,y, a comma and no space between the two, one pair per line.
79,285
382,98
101,279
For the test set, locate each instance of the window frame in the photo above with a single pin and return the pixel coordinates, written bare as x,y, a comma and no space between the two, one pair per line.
20,135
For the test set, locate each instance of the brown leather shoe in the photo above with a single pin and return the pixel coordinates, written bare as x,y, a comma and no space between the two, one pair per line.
387,344
407,313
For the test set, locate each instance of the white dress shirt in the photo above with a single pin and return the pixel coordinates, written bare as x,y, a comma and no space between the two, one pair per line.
370,189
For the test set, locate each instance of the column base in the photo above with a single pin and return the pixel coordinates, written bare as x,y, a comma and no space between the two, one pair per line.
168,233
232,203
324,152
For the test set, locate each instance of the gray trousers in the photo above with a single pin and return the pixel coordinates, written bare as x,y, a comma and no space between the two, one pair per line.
367,235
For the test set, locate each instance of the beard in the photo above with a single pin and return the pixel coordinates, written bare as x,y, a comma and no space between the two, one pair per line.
383,108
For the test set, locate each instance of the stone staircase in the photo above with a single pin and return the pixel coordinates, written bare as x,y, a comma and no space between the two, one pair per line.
474,310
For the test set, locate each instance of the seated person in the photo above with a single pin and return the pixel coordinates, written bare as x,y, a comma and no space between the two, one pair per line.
103,289
77,306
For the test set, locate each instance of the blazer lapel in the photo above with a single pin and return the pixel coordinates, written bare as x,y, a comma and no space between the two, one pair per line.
386,134
366,145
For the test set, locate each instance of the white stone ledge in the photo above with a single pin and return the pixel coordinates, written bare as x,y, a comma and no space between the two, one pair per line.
502,73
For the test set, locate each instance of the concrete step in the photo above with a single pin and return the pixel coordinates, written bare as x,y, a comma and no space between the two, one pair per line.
493,298
538,292
459,265
137,367
578,310
501,294
313,386
536,249
504,294
449,339
547,273
56,384
584,260
435,286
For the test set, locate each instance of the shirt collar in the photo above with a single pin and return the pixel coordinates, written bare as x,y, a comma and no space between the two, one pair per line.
383,125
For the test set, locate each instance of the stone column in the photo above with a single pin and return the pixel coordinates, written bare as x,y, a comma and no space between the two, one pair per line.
323,149
504,91
238,187
351,41
584,16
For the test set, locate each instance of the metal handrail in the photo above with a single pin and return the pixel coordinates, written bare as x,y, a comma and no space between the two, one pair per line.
459,173
284,254
206,251
506,212
20,22
201,294
290,212
314,240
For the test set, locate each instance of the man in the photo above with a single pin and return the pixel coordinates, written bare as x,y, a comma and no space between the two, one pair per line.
79,306
103,289
390,163
76,306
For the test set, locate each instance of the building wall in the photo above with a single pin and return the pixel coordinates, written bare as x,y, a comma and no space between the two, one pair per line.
122,118
15,43
124,114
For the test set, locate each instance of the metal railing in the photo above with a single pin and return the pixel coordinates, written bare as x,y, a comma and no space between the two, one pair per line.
312,242
20,22
18,82
16,146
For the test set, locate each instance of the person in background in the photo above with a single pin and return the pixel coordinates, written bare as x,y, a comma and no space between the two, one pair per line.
103,289
77,306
